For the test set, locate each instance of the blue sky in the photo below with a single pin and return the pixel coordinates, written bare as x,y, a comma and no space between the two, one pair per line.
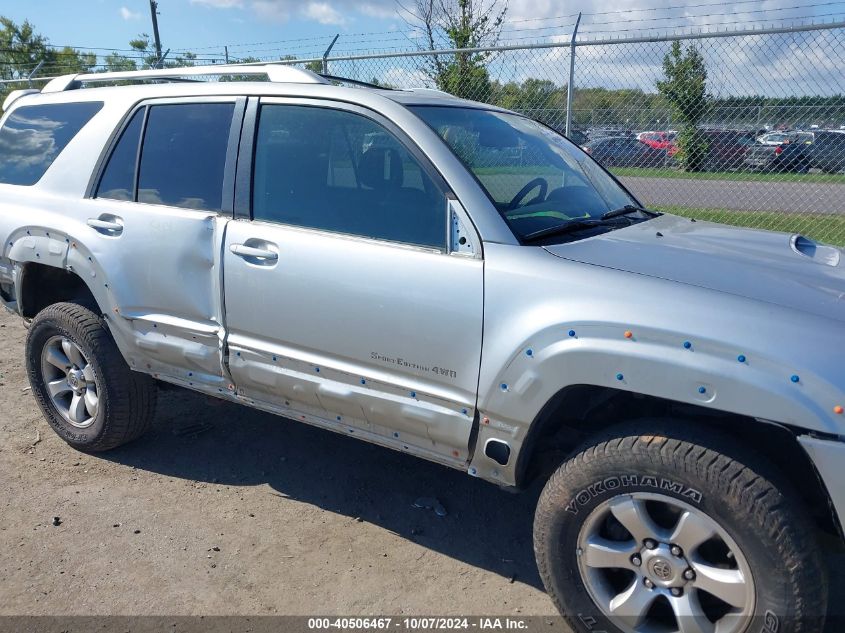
270,28
198,24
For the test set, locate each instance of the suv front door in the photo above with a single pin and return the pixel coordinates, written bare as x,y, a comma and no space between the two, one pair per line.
345,306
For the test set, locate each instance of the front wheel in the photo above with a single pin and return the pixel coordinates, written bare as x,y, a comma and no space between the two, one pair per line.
677,530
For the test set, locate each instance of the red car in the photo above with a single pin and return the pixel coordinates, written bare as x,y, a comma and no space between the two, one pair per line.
657,140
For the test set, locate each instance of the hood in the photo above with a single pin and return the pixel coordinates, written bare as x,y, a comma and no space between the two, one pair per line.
777,268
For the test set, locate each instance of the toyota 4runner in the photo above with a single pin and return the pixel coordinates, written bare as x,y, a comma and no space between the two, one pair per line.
451,280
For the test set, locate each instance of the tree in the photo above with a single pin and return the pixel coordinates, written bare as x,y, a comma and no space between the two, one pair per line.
685,90
22,49
540,99
458,24
144,47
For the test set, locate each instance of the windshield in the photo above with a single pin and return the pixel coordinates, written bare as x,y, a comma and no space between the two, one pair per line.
536,178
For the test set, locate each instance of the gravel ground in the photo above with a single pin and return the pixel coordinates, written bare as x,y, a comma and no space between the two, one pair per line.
255,515
252,515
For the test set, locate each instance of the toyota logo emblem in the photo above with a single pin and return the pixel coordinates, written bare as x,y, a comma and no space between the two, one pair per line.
662,569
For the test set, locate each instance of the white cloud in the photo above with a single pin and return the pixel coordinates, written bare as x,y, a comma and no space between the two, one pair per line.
220,4
128,14
334,12
323,13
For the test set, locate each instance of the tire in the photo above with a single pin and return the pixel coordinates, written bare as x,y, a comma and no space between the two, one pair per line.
669,471
98,403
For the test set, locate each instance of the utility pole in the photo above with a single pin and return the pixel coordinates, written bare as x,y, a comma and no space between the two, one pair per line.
154,14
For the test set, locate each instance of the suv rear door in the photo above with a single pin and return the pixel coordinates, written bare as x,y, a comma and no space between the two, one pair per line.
344,303
160,202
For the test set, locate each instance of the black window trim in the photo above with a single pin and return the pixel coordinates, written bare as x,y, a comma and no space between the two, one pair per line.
246,163
228,184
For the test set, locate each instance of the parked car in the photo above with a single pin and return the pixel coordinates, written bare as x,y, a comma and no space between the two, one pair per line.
355,259
578,137
794,154
827,151
624,152
657,140
726,149
595,133
777,138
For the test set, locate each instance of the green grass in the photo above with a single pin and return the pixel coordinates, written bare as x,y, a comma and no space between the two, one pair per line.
665,172
823,228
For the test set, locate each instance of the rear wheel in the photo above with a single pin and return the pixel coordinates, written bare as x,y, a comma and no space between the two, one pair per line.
677,531
85,389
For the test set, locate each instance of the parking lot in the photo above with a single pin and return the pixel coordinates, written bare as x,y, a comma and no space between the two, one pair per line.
253,515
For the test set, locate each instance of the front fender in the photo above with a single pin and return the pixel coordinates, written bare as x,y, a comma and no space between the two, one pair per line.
563,323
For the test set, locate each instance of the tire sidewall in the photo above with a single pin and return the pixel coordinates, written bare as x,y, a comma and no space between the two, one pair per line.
589,488
41,331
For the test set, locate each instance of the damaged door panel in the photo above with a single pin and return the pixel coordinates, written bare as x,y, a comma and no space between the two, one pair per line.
160,202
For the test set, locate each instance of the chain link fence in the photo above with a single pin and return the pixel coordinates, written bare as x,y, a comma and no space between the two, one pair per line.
744,128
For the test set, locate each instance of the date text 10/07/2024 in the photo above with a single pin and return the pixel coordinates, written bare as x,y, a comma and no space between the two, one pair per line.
419,623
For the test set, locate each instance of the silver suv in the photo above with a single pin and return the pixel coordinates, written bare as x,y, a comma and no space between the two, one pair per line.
457,282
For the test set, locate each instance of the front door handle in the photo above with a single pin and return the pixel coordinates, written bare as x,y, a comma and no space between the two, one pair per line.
251,252
107,227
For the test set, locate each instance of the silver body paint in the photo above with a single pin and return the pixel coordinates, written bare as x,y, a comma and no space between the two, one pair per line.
438,353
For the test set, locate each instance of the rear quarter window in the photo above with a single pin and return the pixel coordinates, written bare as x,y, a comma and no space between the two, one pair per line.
33,137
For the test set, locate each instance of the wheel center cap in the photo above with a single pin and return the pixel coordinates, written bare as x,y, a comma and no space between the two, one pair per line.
75,379
661,569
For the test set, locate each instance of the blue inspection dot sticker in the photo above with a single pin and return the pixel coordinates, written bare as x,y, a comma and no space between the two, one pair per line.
741,358
503,386
529,352
702,390
794,378
571,332
620,377
413,394
687,345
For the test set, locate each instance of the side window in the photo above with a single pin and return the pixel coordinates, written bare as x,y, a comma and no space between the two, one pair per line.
340,171
184,155
118,180
33,136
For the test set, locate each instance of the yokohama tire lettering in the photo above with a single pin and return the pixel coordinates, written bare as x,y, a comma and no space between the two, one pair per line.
583,497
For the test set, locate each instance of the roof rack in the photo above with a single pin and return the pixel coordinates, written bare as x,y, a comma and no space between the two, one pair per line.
280,73
353,82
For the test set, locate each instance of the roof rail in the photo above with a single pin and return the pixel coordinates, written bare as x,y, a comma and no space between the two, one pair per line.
281,73
17,94
353,82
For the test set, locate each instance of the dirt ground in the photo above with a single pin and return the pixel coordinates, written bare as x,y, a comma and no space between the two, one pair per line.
306,521
256,515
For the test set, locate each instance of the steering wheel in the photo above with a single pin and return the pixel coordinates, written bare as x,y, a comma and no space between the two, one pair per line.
537,182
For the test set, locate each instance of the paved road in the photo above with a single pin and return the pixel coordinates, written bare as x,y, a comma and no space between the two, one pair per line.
790,197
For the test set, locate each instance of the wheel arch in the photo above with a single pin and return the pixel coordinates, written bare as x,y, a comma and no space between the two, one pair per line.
41,285
577,413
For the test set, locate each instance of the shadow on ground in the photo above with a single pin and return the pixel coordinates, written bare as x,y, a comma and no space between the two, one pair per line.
486,527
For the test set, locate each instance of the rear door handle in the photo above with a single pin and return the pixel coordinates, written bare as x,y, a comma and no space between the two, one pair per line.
108,227
251,252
